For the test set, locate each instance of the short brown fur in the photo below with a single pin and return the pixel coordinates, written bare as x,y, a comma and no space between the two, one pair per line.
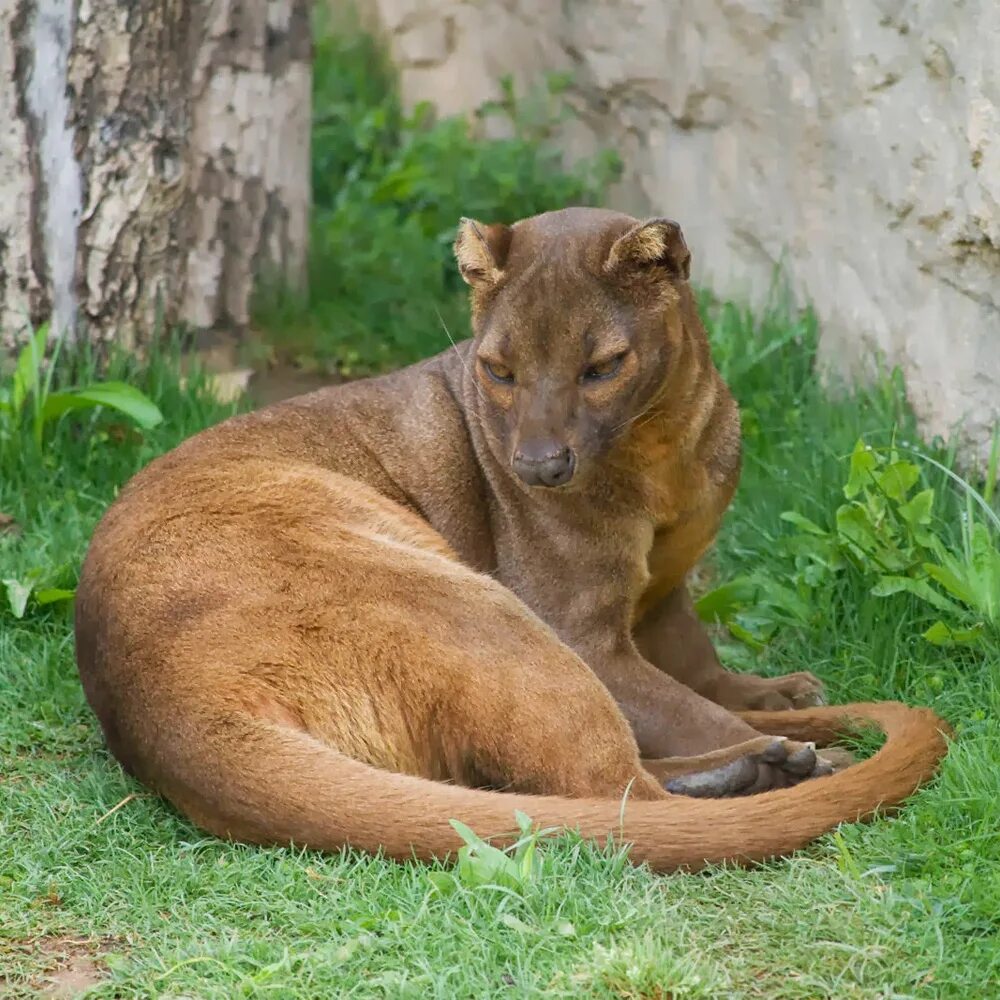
348,617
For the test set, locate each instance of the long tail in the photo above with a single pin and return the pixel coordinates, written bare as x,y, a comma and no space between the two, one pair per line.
300,791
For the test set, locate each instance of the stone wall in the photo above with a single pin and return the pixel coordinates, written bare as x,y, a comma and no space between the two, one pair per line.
855,142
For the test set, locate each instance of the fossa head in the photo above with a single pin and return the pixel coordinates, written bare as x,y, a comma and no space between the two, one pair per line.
576,317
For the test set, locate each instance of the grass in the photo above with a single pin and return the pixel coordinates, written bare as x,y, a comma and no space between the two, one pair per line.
902,907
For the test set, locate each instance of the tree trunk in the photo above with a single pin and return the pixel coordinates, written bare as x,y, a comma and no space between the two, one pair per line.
154,161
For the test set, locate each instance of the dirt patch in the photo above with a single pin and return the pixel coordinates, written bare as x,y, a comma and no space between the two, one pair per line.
70,966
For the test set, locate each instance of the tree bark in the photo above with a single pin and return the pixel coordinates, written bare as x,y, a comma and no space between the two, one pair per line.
154,161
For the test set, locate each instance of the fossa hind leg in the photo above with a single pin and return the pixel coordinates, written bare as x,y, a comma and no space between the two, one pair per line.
566,736
508,706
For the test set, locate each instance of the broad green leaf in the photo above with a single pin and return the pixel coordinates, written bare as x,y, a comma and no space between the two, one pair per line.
951,582
514,923
53,595
889,585
487,866
762,622
873,537
29,363
984,551
526,859
863,465
897,479
746,636
917,510
817,574
444,883
480,863
473,839
803,523
118,396
785,599
938,633
942,635
986,565
824,550
723,602
855,526
876,503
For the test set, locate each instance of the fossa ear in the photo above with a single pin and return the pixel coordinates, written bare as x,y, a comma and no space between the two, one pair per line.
481,251
657,244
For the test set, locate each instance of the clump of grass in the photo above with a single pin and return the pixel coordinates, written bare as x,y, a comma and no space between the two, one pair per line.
32,403
71,430
886,537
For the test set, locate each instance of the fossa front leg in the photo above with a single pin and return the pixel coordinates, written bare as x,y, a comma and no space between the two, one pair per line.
668,719
672,637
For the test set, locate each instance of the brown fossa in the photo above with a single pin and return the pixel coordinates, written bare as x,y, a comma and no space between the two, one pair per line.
459,590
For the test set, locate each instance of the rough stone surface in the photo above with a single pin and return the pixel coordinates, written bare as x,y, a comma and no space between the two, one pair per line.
854,142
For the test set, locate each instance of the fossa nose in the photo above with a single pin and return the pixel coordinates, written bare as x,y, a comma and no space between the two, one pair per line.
545,463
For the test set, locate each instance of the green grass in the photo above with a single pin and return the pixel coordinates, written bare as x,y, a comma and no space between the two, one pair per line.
901,907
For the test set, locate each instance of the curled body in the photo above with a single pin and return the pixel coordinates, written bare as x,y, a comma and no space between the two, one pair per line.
459,590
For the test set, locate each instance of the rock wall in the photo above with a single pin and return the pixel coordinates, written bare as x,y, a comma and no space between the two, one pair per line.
854,142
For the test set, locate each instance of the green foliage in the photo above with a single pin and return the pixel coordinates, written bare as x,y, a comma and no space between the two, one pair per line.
66,433
29,587
31,405
886,535
389,188
28,401
482,865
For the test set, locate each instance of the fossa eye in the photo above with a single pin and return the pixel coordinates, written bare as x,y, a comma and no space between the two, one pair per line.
603,370
498,372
